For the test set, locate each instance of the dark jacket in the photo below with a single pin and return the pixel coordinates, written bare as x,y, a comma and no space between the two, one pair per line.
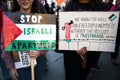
3,6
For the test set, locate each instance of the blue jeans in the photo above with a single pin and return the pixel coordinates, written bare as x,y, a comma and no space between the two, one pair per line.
25,73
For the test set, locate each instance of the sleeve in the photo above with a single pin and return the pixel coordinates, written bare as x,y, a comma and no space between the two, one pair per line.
6,56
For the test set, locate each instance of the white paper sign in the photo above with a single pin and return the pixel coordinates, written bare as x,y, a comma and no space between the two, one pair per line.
94,30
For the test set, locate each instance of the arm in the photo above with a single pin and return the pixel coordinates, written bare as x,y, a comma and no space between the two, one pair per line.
8,59
7,56
34,54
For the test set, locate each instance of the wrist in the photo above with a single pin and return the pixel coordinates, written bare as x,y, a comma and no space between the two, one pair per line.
11,68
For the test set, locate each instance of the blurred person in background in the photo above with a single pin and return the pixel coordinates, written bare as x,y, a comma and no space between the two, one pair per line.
53,8
77,68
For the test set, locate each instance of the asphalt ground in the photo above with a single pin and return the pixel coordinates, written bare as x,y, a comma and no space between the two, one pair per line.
56,68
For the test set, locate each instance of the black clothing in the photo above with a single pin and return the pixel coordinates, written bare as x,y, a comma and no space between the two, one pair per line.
47,8
72,61
118,9
76,6
109,5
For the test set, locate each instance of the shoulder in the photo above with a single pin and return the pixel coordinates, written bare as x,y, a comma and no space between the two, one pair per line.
69,6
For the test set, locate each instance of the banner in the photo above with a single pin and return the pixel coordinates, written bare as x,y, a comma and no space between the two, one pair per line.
94,30
29,31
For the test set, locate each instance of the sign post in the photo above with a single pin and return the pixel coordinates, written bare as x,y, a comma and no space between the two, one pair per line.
32,69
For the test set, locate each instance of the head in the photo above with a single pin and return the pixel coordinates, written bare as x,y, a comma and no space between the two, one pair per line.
26,6
53,4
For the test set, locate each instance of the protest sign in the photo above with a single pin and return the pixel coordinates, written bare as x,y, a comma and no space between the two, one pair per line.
29,31
94,30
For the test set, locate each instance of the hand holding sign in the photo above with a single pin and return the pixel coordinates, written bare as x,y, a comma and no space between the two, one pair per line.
82,52
14,74
35,54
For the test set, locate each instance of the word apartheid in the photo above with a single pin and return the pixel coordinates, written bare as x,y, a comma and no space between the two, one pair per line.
32,45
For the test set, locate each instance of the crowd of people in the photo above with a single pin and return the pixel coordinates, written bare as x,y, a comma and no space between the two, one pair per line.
76,68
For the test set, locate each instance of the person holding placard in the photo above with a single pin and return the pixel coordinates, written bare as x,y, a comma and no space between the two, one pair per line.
78,64
26,7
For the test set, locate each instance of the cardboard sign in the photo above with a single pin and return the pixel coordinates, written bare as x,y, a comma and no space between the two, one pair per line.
29,31
94,30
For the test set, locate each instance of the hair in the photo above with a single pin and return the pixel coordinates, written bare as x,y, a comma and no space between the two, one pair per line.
35,6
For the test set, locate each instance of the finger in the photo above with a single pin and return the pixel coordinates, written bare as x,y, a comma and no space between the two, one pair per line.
43,52
82,57
34,53
84,50
17,75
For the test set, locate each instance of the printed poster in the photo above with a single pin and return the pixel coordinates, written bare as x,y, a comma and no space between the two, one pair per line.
94,30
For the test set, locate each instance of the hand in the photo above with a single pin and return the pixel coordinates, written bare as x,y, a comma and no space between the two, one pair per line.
14,74
35,54
82,52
